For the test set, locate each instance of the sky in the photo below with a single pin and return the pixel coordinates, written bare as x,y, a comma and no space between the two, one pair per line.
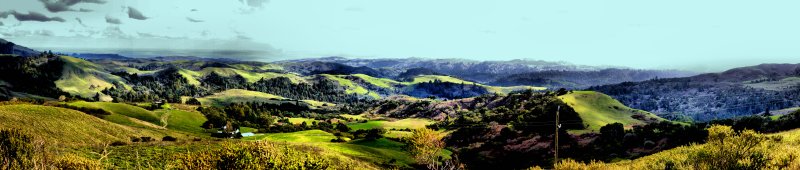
709,35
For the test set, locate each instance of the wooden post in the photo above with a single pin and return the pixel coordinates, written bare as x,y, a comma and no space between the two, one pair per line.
558,126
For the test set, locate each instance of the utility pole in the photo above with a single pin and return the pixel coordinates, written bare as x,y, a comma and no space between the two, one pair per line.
558,126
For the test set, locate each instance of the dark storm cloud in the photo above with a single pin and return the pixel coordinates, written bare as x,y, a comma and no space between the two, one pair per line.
112,20
135,14
30,16
193,20
64,5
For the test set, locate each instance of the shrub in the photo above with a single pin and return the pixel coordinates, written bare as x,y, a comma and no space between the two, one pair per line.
425,146
169,138
729,150
146,139
16,150
118,143
71,161
135,139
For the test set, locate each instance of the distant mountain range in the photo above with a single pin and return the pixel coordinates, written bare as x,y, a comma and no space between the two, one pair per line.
735,92
503,73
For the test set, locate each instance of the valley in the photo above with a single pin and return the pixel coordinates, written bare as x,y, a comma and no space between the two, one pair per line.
115,112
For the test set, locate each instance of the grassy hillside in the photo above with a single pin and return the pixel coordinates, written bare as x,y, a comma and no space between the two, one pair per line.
121,109
411,123
85,78
380,82
184,120
379,151
491,89
351,87
597,109
237,96
65,126
250,76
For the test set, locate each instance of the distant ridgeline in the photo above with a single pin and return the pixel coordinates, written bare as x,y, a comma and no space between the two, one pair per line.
737,92
7,47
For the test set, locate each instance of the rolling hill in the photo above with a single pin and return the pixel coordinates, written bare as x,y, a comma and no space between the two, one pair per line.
86,79
597,110
65,126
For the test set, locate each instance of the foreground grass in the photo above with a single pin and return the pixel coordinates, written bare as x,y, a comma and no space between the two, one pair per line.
378,151
123,110
725,150
59,126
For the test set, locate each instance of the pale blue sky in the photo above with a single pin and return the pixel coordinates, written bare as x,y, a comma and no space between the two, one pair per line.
708,35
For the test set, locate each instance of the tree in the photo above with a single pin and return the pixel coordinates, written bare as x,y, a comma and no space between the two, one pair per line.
767,113
96,97
425,146
341,127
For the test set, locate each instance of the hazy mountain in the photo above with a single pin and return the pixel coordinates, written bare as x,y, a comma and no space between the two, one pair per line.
584,79
7,47
736,92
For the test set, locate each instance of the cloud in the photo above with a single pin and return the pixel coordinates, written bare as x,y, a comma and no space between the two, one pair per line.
135,14
64,5
112,20
30,16
85,10
80,21
193,20
254,3
46,33
1,23
115,32
194,10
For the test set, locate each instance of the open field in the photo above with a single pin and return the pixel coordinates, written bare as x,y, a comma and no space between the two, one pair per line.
381,150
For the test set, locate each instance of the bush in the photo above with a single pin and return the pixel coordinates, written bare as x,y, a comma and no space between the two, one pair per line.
136,139
146,139
338,140
16,150
729,150
169,138
118,143
71,161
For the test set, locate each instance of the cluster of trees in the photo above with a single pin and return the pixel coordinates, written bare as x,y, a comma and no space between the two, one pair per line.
510,134
33,75
319,90
446,90
167,84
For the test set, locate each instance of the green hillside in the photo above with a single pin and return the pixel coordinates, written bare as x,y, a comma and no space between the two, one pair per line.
121,109
85,78
184,120
491,89
238,96
381,150
597,109
65,126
